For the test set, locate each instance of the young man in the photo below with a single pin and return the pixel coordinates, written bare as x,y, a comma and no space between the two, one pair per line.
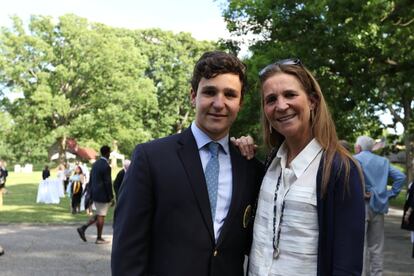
101,194
185,203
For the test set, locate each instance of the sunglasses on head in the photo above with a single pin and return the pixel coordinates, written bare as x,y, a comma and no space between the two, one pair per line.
287,61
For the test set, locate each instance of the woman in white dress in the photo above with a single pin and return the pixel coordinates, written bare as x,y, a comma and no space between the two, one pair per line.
310,213
60,179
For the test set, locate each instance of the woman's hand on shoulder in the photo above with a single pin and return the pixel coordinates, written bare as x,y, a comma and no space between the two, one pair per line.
246,146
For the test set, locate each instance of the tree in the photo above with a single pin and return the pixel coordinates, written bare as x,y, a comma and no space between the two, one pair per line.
360,51
171,60
95,83
6,126
78,79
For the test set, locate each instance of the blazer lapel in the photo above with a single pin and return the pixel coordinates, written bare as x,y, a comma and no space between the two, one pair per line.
239,171
189,155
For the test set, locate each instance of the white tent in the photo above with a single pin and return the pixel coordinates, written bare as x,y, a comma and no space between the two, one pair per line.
68,156
114,156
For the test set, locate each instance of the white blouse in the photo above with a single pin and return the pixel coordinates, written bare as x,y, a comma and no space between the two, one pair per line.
293,228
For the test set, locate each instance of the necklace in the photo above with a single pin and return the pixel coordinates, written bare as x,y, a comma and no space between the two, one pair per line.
276,250
276,236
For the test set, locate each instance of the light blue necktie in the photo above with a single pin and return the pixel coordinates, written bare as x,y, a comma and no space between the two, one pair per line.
212,174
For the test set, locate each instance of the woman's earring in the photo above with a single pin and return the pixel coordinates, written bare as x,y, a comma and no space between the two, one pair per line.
270,128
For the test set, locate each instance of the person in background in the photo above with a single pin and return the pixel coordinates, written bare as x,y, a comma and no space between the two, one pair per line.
408,215
3,177
185,204
310,213
120,176
76,187
377,170
85,188
67,173
346,145
101,194
60,174
45,173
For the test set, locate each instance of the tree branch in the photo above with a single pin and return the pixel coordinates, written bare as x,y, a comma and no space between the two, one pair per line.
404,24
394,113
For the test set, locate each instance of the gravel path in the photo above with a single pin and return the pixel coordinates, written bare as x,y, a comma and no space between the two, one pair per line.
58,250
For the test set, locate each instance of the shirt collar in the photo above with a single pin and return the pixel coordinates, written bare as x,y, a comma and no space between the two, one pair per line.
203,139
302,160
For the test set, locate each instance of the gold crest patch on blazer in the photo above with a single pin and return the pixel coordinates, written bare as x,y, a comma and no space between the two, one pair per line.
247,215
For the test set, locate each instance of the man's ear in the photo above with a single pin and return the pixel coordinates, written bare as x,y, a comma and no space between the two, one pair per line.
193,96
357,148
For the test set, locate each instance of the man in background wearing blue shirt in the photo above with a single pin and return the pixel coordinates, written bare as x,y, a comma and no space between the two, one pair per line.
376,171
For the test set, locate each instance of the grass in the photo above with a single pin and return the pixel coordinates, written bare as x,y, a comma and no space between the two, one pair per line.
398,202
19,204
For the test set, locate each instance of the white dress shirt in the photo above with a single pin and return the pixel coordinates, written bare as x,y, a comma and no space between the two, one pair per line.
225,184
297,222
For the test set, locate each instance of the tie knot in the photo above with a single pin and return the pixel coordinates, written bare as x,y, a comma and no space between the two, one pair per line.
213,148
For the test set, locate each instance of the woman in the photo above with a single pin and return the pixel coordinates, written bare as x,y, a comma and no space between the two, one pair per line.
310,213
60,175
75,182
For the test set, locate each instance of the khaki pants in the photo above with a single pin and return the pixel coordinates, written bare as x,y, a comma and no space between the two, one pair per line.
374,243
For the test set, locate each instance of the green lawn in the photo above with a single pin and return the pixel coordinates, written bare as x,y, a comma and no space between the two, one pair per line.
399,201
19,204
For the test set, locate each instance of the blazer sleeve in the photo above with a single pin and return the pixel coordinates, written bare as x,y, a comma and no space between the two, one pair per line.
133,219
118,180
107,180
349,224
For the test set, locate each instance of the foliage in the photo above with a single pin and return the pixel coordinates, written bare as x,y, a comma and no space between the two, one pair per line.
6,126
360,51
171,60
92,82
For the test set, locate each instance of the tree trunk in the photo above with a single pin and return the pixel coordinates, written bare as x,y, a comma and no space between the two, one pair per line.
408,157
62,150
408,129
180,125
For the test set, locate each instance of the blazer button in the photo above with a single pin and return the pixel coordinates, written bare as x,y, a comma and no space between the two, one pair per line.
215,253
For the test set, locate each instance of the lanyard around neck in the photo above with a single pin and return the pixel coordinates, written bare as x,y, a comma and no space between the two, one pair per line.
276,250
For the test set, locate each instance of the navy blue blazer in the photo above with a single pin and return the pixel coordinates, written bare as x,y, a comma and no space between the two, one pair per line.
163,222
118,181
341,218
101,182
